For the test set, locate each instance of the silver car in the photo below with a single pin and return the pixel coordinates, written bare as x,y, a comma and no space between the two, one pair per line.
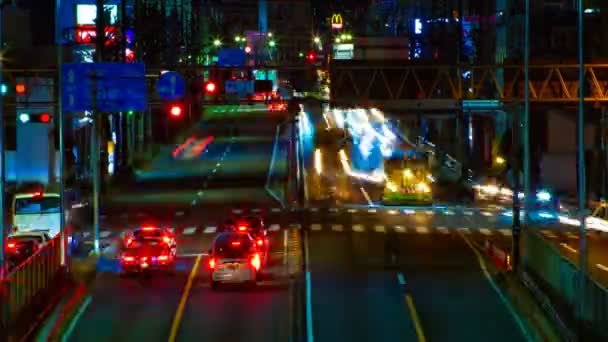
234,258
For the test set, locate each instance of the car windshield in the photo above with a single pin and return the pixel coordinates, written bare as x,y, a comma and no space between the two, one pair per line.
232,247
37,205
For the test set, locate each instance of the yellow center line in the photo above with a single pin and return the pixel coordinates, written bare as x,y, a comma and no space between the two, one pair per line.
414,314
182,303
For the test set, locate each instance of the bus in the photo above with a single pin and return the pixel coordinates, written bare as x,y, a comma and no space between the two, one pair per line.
408,180
37,211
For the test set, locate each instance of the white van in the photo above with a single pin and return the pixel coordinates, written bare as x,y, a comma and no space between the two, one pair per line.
37,211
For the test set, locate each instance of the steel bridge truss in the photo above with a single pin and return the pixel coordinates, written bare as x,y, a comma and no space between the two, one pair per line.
444,87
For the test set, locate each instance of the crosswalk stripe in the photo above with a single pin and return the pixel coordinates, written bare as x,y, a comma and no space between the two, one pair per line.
506,232
104,234
256,210
448,212
276,210
548,233
486,213
430,212
358,228
237,211
485,231
333,210
314,210
86,234
189,231
210,230
380,229
465,230
393,212
352,211
274,227
371,211
443,230
400,229
422,230
315,227
337,227
468,213
179,213
409,212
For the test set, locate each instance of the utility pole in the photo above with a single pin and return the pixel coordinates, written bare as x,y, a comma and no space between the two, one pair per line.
526,119
581,168
59,47
3,220
96,174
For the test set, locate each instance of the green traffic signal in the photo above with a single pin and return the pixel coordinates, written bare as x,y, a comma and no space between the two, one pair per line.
3,89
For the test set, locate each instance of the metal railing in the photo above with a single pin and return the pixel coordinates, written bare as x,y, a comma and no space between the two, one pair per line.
33,275
544,261
276,184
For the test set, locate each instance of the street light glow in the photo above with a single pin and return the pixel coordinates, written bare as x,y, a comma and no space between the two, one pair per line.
317,40
272,43
217,42
237,39
270,34
338,40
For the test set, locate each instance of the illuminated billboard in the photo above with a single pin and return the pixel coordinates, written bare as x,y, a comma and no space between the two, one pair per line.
86,14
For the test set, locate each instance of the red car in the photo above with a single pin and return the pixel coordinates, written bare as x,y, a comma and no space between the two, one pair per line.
148,252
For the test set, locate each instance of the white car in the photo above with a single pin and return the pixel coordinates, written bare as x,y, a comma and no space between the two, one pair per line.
234,258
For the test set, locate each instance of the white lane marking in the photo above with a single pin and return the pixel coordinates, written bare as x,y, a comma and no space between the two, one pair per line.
487,213
506,232
256,210
602,267
366,195
274,227
567,247
314,210
449,212
179,213
276,210
371,211
352,211
293,226
104,234
400,278
380,229
465,230
333,210
468,213
485,231
400,229
548,233
237,211
443,230
422,230
409,212
315,226
393,212
337,227
189,231
358,228
210,230
192,255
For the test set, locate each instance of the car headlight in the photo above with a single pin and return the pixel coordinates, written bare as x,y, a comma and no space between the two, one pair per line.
543,196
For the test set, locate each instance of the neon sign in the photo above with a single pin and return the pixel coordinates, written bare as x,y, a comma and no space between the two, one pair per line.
336,22
85,34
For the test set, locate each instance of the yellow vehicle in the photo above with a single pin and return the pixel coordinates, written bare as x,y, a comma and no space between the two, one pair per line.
408,182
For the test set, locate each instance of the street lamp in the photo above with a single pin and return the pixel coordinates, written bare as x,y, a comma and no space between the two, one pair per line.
217,42
338,40
238,39
317,40
269,34
272,43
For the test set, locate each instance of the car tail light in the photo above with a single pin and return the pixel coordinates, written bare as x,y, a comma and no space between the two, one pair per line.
211,263
11,245
242,228
236,243
129,241
163,258
167,239
260,242
148,228
255,261
128,258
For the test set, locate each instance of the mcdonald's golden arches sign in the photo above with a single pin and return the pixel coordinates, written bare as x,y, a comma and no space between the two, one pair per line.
336,22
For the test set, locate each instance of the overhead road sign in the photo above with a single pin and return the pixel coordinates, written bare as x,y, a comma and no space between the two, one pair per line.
117,86
171,86
231,57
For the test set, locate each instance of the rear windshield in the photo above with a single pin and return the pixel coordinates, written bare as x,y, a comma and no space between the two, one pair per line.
232,248
37,205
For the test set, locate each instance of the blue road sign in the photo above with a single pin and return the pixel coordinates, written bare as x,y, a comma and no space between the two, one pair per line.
230,57
117,86
171,86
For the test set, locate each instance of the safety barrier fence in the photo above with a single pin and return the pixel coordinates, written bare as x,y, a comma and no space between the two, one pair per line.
561,276
276,182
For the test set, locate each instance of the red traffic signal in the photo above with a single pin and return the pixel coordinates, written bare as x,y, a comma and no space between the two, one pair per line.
311,56
175,111
45,117
210,88
20,89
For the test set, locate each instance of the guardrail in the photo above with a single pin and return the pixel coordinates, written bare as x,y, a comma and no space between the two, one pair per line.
545,262
275,184
24,283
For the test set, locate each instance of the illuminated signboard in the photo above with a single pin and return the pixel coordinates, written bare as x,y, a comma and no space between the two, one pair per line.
85,34
86,14
344,51
336,22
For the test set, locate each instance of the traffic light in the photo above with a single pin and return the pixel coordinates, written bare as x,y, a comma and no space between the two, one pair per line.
35,118
175,111
20,89
311,57
210,88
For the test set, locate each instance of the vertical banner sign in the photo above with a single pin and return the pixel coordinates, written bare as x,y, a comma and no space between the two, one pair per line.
336,22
